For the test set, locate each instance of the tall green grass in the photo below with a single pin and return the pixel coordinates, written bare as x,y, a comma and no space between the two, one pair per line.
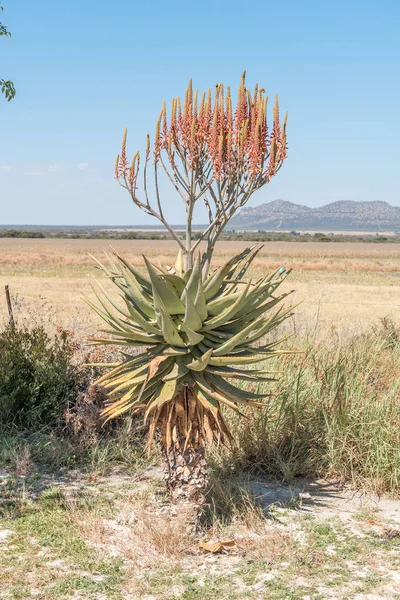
334,414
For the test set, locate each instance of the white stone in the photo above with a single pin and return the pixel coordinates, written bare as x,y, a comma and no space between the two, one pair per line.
4,533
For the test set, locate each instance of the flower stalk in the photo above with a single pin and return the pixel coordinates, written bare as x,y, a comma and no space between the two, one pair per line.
209,151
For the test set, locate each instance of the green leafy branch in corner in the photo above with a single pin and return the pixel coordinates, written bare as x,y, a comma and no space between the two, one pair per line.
7,86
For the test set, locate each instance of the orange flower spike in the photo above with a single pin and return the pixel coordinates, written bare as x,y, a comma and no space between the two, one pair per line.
157,139
241,111
213,143
123,147
272,158
229,147
255,95
242,140
132,171
208,108
228,107
147,146
215,117
221,147
200,119
179,108
173,120
116,167
195,101
192,149
283,148
218,161
186,122
276,108
165,125
262,115
123,167
276,133
190,98
221,109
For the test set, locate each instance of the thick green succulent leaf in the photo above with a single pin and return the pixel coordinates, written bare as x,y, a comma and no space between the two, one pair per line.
278,318
194,280
215,307
132,377
165,290
157,368
234,393
253,251
238,323
194,289
142,321
245,358
250,375
100,266
177,283
123,367
211,394
135,295
179,263
102,313
192,318
200,363
108,316
129,401
235,340
229,313
110,299
141,279
118,411
136,336
260,295
213,284
178,371
193,337
208,402
174,351
169,330
201,304
168,392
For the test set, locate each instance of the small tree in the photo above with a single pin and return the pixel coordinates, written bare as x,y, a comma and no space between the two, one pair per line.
199,328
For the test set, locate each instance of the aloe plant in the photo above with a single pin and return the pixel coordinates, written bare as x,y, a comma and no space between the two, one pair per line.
199,329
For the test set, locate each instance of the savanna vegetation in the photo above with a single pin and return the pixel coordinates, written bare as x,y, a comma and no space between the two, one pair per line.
270,427
83,508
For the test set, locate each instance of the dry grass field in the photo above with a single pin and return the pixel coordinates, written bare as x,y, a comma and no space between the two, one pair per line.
343,287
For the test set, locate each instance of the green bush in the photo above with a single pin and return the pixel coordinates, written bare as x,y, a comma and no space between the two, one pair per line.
38,379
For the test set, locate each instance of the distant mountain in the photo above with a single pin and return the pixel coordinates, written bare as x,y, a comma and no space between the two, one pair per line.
344,215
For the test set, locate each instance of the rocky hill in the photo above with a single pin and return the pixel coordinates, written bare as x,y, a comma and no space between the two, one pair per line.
345,215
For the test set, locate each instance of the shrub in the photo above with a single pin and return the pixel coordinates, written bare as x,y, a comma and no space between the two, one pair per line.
38,378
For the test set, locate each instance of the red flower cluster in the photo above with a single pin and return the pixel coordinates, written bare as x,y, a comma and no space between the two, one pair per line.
234,141
210,137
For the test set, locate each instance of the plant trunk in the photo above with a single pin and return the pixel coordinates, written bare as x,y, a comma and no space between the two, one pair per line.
186,472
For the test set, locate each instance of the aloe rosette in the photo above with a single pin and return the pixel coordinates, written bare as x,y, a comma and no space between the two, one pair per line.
198,337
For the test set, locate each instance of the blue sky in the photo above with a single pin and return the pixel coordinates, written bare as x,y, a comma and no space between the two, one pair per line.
84,70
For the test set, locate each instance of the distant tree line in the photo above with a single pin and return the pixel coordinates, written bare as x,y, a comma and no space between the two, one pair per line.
251,236
20,233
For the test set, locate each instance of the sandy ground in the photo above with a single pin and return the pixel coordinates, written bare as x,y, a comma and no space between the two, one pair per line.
308,541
